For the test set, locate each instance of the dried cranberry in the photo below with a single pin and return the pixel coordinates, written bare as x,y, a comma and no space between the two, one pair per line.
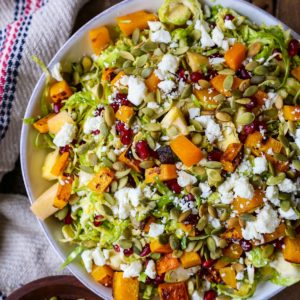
174,186
211,74
279,54
191,219
243,73
146,250
181,74
142,149
260,125
128,252
117,248
246,245
121,97
278,244
64,149
97,220
229,17
98,111
250,128
126,137
214,155
210,295
57,107
148,280
212,25
96,132
68,219
208,263
159,279
252,104
196,76
115,106
242,137
189,197
120,127
82,142
294,47
215,55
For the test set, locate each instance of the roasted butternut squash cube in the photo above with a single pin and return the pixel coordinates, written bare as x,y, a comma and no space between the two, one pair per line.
235,56
157,247
135,20
206,98
60,91
60,164
103,275
228,275
150,220
233,230
233,251
231,158
125,288
63,192
173,291
167,263
100,39
190,259
261,97
218,83
152,82
117,77
271,145
278,233
296,73
131,163
188,228
42,124
102,180
163,173
291,113
242,205
125,113
291,250
108,74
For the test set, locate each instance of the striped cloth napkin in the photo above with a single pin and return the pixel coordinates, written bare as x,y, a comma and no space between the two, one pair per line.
27,27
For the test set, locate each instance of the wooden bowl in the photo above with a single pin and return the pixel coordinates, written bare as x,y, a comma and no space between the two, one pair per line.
63,287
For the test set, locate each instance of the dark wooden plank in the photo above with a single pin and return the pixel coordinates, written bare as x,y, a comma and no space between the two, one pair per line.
288,11
267,5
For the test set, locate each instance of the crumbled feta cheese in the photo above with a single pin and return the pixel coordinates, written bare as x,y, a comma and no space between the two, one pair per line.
91,124
288,215
287,186
84,178
240,275
243,188
213,130
217,36
216,60
131,270
250,232
250,271
272,195
270,101
150,270
205,189
197,295
156,229
98,257
260,165
184,179
167,86
65,136
167,65
154,25
228,24
152,105
245,167
225,189
215,223
136,90
194,112
56,72
135,195
206,41
297,137
161,36
87,259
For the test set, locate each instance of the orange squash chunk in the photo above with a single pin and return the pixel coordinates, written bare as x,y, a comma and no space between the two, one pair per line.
296,73
242,205
173,291
60,91
63,192
261,97
124,113
235,56
152,82
218,83
42,124
291,250
151,220
133,164
118,77
186,151
291,113
60,164
135,20
278,233
100,39
228,276
188,228
107,74
102,180
222,263
271,144
103,275
167,263
206,98
190,259
233,230
157,247
125,288
233,251
163,172
230,158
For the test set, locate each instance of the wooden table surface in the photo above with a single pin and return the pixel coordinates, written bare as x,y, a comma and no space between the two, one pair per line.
288,11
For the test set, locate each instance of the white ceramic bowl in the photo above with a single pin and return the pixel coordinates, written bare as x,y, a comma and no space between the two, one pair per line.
32,159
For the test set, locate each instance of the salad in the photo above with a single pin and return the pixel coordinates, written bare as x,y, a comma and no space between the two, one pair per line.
174,154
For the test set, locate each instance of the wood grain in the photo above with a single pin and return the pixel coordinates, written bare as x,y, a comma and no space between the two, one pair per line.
268,5
288,11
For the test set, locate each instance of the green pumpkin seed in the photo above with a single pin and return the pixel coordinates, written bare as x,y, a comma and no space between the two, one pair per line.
190,247
151,142
271,113
177,253
284,141
285,205
104,129
271,169
184,215
87,169
146,72
250,91
222,243
244,85
127,64
202,223
174,242
254,49
93,159
163,239
204,84
212,164
195,191
129,70
197,138
224,216
174,214
251,66
172,131
217,231
109,198
108,211
190,287
211,244
136,36
68,232
141,61
187,91
120,174
197,125
260,70
275,180
114,186
228,82
267,250
223,116
213,176
280,157
180,50
112,156
152,127
107,162
126,55
109,116
243,101
217,254
212,211
119,166
226,72
219,98
147,164
149,46
125,244
279,102
123,182
86,63
296,164
271,83
257,79
247,217
245,118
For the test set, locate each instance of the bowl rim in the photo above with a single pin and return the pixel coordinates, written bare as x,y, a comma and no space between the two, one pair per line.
32,102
